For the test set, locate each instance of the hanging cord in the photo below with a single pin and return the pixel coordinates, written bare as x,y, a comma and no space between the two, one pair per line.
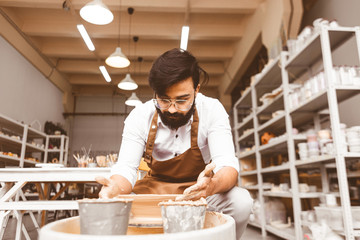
140,59
130,11
187,13
135,39
119,23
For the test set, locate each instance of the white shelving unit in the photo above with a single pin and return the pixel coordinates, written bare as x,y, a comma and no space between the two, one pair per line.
279,74
320,46
18,141
62,150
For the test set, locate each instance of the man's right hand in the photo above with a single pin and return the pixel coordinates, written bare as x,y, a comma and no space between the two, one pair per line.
110,188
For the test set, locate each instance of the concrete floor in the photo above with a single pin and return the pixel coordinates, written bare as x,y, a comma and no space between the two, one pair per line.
11,228
255,233
251,233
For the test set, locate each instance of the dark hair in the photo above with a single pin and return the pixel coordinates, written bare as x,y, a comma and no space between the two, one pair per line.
172,67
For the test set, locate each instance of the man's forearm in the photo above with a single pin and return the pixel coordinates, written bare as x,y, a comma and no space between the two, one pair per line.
225,179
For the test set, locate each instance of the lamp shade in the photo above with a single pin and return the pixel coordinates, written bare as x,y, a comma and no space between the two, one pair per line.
133,100
96,12
117,59
127,83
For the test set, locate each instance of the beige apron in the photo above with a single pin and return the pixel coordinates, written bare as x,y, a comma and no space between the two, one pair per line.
172,176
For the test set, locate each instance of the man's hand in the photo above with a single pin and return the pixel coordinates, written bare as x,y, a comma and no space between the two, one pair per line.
109,189
202,188
113,187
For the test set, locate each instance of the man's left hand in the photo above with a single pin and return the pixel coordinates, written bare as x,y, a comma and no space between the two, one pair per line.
202,188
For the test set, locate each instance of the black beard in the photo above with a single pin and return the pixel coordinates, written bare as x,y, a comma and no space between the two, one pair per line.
175,120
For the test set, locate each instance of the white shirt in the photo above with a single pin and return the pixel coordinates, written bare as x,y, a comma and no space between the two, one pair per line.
214,138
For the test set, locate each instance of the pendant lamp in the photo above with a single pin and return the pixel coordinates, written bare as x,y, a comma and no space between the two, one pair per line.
127,83
96,12
133,100
117,59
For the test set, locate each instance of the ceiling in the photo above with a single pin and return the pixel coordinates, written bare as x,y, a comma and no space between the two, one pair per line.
50,28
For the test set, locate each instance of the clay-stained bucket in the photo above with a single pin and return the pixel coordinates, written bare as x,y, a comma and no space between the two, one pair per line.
104,216
183,216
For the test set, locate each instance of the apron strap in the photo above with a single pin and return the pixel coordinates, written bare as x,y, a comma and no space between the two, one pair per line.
151,140
194,129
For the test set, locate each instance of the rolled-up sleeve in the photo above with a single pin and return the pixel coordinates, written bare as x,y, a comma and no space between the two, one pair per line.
220,139
132,147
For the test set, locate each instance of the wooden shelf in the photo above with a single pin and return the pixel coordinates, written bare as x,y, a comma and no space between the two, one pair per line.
255,187
246,123
248,173
276,124
32,148
247,155
247,137
10,142
282,167
270,75
276,104
286,233
304,112
278,194
11,125
311,51
14,161
311,195
254,224
245,99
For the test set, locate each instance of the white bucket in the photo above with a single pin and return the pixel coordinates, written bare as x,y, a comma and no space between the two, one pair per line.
183,216
217,226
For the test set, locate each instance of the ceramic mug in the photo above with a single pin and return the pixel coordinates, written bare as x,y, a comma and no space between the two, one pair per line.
284,186
303,187
330,200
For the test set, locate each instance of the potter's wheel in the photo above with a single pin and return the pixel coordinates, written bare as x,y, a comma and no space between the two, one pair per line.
217,226
145,223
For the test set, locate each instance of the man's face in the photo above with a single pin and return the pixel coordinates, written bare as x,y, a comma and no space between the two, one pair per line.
174,117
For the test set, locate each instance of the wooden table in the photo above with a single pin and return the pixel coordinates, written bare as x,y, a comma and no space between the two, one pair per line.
13,179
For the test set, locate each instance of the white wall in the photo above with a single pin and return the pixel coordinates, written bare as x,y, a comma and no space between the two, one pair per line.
346,12
100,129
101,133
25,94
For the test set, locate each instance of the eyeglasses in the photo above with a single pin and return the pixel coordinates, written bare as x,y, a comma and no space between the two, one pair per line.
180,104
